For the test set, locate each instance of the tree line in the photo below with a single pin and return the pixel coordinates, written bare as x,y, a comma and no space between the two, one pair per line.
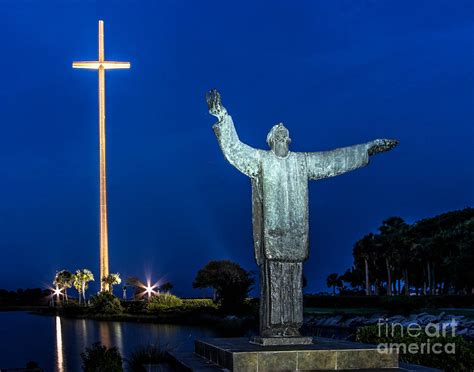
65,279
429,257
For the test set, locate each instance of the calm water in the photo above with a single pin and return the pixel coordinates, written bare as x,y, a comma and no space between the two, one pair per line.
56,343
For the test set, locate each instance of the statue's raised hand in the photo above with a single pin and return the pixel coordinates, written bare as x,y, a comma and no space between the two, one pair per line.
214,104
381,145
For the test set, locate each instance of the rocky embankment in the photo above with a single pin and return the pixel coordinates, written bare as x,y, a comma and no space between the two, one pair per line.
462,326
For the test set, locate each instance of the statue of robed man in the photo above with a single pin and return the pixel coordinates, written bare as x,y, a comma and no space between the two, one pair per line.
280,210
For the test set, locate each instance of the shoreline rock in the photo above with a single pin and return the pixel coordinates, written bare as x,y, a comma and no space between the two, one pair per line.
463,326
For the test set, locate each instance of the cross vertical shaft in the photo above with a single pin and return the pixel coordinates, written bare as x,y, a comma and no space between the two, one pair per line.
104,229
101,65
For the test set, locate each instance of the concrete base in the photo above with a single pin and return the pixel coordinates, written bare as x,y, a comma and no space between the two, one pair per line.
239,355
191,362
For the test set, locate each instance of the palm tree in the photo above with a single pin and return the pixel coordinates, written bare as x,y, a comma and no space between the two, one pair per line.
391,233
111,280
394,235
166,287
81,280
136,284
333,280
64,280
364,250
354,277
433,254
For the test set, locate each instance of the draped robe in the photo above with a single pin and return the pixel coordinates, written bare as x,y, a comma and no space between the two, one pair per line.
280,218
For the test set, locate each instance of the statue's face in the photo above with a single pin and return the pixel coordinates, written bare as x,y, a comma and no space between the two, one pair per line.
279,140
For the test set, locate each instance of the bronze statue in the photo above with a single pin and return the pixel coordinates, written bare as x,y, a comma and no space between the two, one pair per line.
280,213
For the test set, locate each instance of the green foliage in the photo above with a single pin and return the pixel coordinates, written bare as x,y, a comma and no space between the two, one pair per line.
167,301
82,277
152,354
333,280
105,303
81,281
166,287
431,256
164,301
230,281
199,303
111,280
63,279
99,358
461,360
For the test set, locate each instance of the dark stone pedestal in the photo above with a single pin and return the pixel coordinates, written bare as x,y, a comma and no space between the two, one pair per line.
277,341
239,355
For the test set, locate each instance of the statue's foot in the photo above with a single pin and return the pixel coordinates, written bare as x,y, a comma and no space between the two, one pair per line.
282,332
273,332
292,332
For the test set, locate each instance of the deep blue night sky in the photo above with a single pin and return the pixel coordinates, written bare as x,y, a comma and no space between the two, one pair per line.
335,72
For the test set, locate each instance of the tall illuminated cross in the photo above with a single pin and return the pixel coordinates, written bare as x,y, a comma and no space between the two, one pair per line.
101,65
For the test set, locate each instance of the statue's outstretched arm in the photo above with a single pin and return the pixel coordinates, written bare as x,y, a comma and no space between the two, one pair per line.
245,158
335,162
381,145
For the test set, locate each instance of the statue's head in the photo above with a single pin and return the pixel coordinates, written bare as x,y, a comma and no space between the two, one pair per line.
279,139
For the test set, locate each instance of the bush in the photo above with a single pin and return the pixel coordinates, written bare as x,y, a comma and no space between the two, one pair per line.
106,303
461,360
164,301
152,354
199,303
99,358
33,366
230,281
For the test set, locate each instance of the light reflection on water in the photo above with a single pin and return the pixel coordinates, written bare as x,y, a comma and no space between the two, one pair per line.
56,343
59,346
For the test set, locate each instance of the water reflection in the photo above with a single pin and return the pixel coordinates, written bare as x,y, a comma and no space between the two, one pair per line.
104,334
57,343
84,329
118,332
59,346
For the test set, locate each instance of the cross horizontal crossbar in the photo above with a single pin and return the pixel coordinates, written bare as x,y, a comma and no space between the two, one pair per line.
95,65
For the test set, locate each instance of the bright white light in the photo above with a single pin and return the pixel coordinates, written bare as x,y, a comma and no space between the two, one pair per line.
150,289
57,291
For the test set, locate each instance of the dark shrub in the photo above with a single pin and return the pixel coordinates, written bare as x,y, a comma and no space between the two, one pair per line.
461,360
199,303
105,303
99,358
152,354
229,280
163,301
